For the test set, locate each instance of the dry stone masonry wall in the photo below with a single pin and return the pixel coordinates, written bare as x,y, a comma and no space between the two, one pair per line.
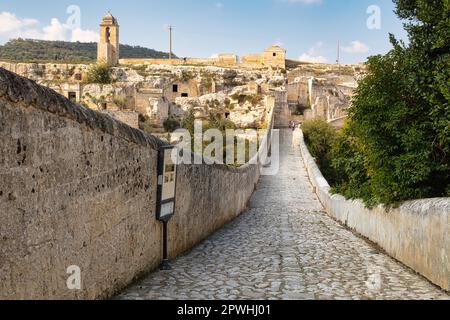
79,188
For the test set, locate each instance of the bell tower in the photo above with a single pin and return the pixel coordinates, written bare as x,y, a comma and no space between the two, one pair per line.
108,47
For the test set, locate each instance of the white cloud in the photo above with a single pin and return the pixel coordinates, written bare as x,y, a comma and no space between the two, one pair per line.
12,26
9,23
314,59
356,47
55,31
313,54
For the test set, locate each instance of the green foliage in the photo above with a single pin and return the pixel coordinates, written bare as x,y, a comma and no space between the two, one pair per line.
299,110
397,146
186,76
141,70
253,99
349,167
98,101
99,73
216,121
188,122
170,125
207,82
320,138
67,52
121,103
143,117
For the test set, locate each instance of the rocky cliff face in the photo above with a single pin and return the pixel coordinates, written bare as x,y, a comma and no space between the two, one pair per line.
160,92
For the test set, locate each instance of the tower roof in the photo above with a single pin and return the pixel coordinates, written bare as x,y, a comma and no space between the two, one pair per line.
276,48
109,19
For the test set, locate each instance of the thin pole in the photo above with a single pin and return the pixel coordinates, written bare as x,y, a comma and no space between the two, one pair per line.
165,266
170,41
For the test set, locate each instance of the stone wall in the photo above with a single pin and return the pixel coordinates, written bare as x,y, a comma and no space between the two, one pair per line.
252,60
282,112
71,73
219,62
128,117
79,188
274,57
416,233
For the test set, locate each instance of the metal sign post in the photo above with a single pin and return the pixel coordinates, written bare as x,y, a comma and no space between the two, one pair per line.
166,194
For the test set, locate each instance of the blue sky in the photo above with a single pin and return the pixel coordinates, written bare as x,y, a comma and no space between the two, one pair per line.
309,29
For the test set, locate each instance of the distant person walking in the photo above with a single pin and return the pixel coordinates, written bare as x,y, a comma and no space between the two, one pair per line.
291,125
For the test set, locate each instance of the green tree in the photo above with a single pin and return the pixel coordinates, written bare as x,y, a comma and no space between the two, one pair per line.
320,138
66,52
400,119
99,73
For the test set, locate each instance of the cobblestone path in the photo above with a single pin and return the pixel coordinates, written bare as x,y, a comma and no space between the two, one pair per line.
285,247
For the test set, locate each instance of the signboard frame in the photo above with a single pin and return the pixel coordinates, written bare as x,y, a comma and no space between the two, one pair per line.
167,183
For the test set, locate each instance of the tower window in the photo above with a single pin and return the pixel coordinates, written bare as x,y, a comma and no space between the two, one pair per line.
274,54
175,88
184,95
108,35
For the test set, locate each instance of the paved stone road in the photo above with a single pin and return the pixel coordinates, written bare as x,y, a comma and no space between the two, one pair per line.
285,247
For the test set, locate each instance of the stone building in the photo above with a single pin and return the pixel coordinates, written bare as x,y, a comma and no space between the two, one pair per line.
227,59
275,57
183,89
272,57
108,46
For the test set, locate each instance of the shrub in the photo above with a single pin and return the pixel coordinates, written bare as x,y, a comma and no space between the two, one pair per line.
99,73
216,121
170,125
349,166
254,99
143,117
299,110
141,70
99,101
188,122
121,103
207,82
320,138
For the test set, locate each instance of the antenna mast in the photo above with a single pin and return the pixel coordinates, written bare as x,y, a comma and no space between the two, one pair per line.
170,27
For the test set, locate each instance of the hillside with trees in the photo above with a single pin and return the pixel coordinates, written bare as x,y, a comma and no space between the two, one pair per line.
25,50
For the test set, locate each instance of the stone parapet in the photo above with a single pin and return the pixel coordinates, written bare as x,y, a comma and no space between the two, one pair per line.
416,233
78,188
